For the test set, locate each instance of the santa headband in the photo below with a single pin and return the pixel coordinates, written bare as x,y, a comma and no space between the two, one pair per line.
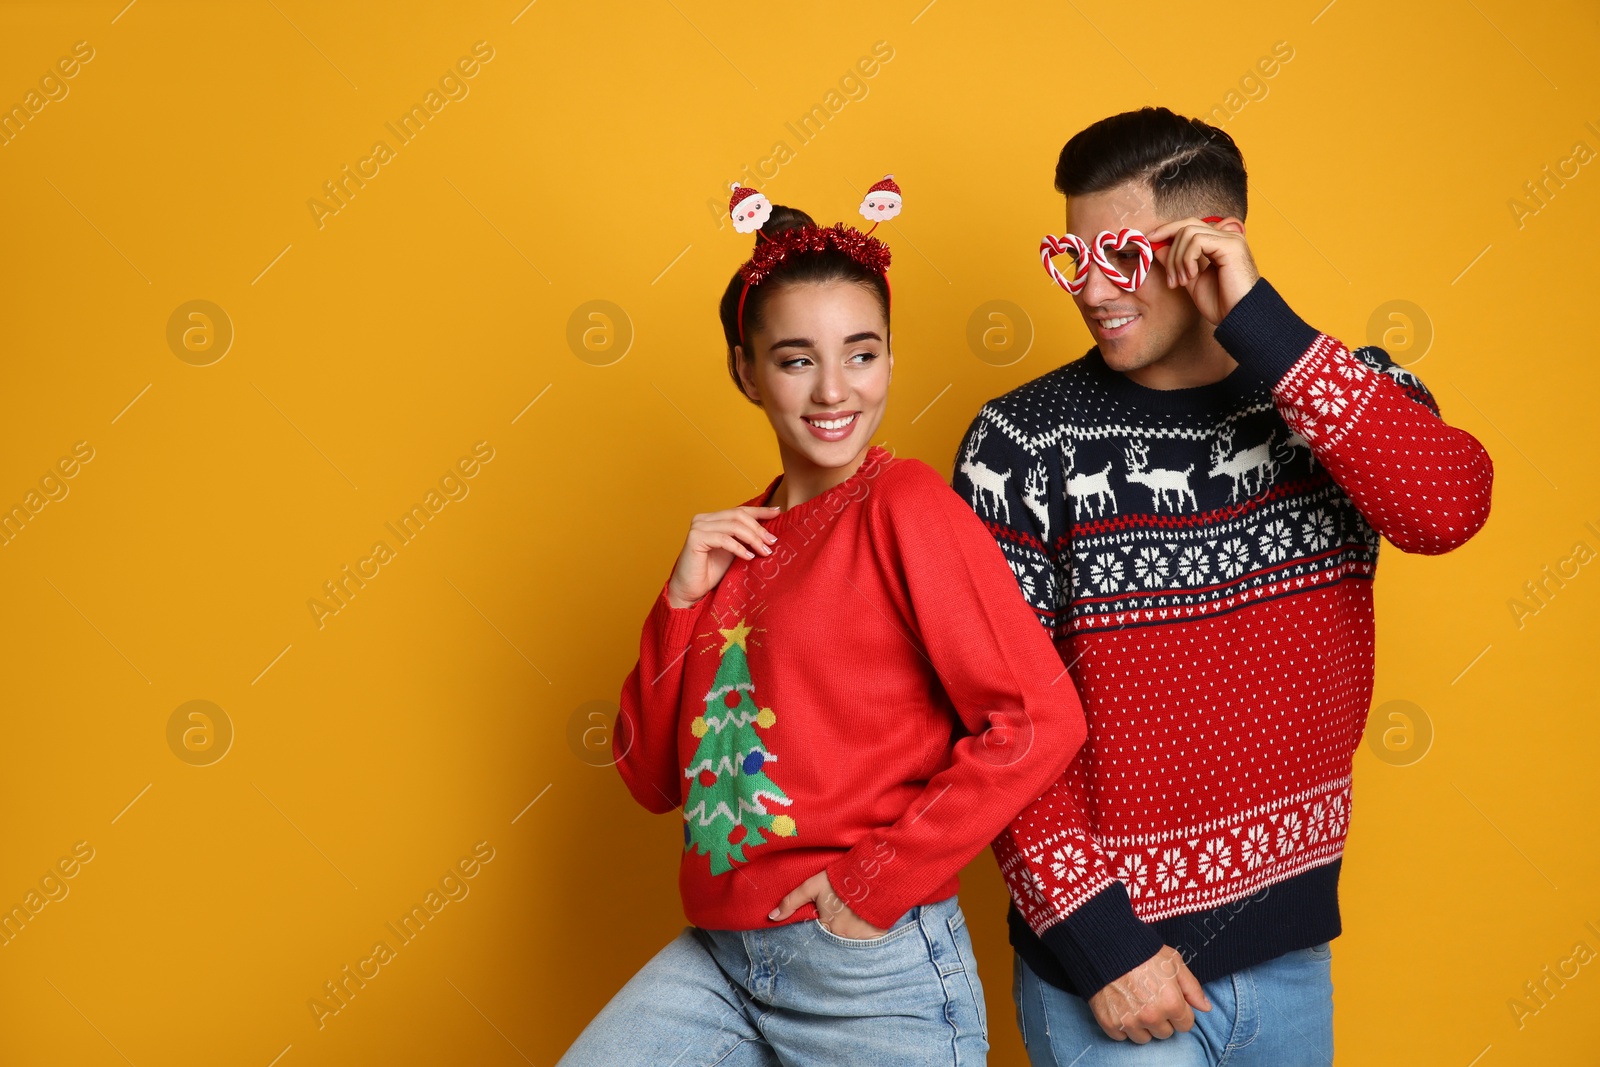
750,210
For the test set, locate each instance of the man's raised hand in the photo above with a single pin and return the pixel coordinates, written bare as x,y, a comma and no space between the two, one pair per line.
1212,262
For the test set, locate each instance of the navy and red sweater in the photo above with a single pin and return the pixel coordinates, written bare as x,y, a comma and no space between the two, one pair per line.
1203,559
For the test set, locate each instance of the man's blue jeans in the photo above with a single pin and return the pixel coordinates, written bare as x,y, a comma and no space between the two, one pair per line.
1275,1014
799,996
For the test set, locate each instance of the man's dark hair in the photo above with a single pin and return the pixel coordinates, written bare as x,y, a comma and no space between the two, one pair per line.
1192,167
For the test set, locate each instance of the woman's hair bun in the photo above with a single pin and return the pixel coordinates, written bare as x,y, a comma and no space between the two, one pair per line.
784,218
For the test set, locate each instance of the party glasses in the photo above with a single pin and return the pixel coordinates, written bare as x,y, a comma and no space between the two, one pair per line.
1123,256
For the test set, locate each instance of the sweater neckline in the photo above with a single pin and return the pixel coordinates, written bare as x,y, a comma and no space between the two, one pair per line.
876,456
1222,394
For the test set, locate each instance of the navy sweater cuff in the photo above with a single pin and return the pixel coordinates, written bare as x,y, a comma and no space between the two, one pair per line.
1263,333
1101,940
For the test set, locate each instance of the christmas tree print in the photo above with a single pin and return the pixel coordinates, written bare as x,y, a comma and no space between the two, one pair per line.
729,788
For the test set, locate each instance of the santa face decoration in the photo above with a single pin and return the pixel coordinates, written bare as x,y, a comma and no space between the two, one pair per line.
748,208
882,201
749,211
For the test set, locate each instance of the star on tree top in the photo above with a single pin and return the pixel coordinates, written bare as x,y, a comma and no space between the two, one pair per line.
735,636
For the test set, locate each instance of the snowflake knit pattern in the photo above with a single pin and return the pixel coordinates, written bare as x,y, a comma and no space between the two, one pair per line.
1203,559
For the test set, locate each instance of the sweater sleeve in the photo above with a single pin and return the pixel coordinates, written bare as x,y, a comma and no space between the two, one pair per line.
1001,674
1062,884
1021,501
1419,481
645,741
1059,878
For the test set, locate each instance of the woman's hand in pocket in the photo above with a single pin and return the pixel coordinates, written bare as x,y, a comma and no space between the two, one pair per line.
714,538
835,914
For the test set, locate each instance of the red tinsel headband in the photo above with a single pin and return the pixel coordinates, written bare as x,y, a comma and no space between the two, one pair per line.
773,251
750,209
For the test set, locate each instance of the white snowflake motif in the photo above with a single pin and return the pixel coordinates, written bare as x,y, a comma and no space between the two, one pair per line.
1034,887
1232,557
1134,873
1288,833
1150,566
1024,579
1338,816
1300,422
1214,862
1106,572
1070,863
1275,540
1352,369
1327,399
1193,564
1318,824
1253,849
1170,869
1319,529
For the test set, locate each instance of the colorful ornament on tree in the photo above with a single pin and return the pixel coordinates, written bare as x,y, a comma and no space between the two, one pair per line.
730,790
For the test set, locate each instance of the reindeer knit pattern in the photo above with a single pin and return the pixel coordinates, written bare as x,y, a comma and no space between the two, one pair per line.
1203,559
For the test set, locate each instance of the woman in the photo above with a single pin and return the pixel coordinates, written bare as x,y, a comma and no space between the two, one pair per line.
843,692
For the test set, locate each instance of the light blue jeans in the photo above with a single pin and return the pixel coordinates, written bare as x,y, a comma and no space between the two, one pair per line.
1275,1014
797,995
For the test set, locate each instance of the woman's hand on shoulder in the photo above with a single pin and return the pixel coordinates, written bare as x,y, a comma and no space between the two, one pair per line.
714,538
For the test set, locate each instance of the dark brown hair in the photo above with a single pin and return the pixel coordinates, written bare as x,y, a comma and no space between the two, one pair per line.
1192,167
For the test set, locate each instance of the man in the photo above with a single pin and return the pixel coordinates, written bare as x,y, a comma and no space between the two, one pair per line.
1193,510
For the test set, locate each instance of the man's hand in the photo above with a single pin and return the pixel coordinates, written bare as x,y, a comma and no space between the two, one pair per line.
1213,263
1152,1000
835,914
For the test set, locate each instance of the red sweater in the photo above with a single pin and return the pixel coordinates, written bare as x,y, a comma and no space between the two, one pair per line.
875,699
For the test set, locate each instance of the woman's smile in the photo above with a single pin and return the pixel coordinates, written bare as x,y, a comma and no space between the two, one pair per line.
831,425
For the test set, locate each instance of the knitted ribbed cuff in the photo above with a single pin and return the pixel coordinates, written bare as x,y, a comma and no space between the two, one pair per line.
675,625
1101,940
1263,333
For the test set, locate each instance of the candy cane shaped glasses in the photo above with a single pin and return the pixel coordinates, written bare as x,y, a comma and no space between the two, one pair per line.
1123,256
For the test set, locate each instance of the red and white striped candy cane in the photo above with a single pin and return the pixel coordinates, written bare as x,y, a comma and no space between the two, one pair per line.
1118,241
1053,246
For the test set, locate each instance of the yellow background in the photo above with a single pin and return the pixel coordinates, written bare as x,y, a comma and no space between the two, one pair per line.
445,704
